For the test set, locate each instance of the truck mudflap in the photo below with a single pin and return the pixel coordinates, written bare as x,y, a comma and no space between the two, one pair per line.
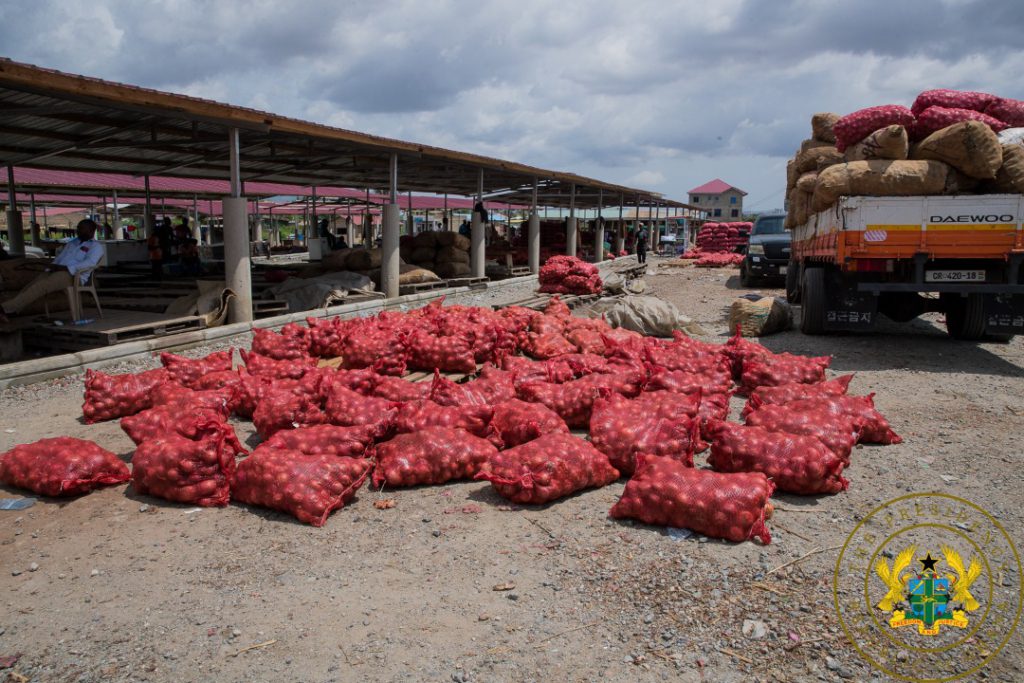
1004,314
850,310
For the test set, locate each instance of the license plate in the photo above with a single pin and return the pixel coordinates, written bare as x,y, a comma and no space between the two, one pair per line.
954,276
782,270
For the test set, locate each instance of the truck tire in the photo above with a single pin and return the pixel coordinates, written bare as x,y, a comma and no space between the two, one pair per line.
745,279
965,318
793,282
812,290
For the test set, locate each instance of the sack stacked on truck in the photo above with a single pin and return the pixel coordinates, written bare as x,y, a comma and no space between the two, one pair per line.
818,151
946,143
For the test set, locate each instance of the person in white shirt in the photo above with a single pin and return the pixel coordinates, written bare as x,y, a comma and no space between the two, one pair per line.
79,254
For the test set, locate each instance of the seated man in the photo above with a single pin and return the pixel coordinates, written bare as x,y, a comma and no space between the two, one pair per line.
79,254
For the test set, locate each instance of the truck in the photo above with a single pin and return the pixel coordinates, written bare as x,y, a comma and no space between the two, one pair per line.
904,256
767,253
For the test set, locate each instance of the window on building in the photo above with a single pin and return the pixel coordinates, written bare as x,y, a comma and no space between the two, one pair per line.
696,199
732,200
718,212
735,213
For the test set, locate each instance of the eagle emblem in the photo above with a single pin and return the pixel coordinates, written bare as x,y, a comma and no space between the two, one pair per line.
927,599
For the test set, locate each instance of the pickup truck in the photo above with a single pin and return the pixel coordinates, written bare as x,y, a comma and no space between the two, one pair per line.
767,253
904,256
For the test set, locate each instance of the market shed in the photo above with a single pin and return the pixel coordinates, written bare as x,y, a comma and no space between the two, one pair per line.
55,120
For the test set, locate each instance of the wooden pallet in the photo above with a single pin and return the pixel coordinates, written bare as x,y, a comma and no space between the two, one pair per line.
265,308
146,304
471,282
632,272
418,287
116,328
540,301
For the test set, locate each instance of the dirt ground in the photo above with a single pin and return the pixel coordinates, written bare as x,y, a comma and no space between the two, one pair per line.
116,587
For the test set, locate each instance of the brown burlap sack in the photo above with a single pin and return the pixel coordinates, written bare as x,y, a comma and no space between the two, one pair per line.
447,270
807,182
363,259
451,255
411,275
881,178
790,221
821,127
971,147
1010,177
791,174
759,318
422,255
425,239
890,142
336,260
811,143
453,239
818,158
803,206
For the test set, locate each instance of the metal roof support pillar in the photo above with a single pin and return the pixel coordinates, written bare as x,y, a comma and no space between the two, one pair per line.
15,228
197,233
570,223
477,248
389,258
118,232
147,216
314,241
533,234
237,273
33,225
446,220
620,229
599,229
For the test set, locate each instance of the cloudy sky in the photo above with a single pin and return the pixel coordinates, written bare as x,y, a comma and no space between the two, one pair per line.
660,94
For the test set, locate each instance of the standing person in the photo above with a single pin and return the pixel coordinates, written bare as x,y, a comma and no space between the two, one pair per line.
641,244
155,243
79,254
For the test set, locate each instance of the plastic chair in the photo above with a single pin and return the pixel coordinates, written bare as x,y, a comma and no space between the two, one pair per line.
74,293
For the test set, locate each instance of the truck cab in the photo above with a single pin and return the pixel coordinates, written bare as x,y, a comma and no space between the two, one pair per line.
768,252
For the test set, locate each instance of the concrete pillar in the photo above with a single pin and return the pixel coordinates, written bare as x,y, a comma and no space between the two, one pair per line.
570,236
598,240
476,247
15,233
350,233
533,242
389,257
620,231
237,273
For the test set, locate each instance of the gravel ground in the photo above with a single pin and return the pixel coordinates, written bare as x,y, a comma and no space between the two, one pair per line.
129,588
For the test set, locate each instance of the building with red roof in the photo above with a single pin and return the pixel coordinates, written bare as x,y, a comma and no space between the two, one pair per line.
721,200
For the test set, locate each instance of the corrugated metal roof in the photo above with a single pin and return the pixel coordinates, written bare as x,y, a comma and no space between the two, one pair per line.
50,119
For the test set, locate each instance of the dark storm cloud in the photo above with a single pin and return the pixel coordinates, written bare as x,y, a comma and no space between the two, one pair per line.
643,89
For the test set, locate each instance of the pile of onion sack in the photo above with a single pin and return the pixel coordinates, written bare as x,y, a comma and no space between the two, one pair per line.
538,404
723,237
569,275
